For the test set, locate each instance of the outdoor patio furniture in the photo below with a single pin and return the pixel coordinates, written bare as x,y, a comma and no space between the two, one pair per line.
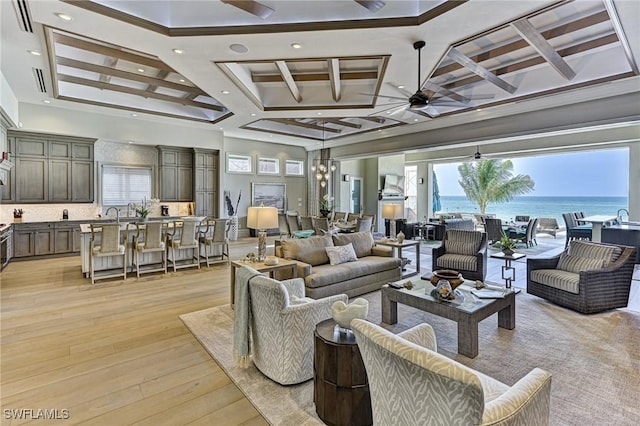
493,227
548,226
572,279
575,231
522,218
528,236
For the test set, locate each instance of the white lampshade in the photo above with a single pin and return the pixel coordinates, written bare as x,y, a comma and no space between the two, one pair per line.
392,211
262,217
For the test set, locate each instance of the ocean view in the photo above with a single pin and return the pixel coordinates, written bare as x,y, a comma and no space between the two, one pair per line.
536,206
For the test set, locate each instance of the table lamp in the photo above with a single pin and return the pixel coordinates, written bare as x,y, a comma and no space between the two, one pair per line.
262,218
392,212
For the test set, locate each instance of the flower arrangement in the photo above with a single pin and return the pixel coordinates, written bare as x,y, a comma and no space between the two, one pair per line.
325,204
143,208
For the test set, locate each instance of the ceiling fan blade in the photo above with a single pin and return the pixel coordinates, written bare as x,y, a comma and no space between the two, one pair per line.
251,6
371,5
392,111
384,96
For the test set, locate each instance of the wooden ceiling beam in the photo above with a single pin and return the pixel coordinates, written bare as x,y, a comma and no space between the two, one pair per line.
529,33
160,77
108,64
315,76
294,122
334,78
339,122
550,34
378,120
285,72
110,51
100,69
480,70
528,63
138,92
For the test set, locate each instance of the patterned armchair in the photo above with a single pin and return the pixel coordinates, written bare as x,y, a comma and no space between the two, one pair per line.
282,326
462,251
587,277
412,384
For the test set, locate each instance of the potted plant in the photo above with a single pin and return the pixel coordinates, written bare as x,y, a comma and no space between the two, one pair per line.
506,244
325,205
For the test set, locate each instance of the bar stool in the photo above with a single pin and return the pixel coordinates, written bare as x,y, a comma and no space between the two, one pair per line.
150,238
110,246
184,236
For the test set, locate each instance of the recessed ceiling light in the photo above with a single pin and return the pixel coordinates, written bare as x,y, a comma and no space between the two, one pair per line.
479,109
225,92
130,142
318,113
296,45
415,119
34,52
134,115
221,128
238,48
46,101
401,86
64,16
181,80
178,51
140,70
253,114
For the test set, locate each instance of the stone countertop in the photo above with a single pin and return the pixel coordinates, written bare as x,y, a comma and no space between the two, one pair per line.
626,226
85,227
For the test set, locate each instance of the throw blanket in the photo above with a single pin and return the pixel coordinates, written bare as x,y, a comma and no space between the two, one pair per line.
242,317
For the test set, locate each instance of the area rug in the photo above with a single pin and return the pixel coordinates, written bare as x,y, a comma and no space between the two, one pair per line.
594,360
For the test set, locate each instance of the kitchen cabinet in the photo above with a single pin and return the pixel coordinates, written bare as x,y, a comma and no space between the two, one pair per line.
46,238
176,173
206,182
50,168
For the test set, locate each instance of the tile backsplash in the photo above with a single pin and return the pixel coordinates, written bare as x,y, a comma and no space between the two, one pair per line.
53,212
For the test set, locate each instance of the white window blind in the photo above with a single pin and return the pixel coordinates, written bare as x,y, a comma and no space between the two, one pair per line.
122,185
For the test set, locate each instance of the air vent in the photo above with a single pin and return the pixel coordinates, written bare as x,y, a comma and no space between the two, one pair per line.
39,75
24,17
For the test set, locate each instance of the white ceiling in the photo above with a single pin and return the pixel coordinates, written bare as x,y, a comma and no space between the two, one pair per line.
207,29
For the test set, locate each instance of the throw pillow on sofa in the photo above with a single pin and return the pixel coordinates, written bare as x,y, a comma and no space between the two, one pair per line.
341,254
308,250
362,242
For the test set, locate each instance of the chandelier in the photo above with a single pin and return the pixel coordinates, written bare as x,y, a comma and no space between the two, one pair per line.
322,167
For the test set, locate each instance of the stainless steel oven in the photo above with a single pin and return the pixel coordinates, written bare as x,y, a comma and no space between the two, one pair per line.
6,247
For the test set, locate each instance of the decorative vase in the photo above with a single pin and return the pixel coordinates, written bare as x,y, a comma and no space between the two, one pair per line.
400,237
324,212
144,218
233,228
507,251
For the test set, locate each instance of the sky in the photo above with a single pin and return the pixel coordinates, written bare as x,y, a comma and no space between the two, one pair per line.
593,173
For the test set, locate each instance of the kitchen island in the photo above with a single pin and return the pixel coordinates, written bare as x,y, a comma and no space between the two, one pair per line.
128,231
627,233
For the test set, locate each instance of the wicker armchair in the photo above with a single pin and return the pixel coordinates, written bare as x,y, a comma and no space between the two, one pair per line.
454,253
597,290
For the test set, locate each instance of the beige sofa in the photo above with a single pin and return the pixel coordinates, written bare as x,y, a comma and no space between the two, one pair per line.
375,265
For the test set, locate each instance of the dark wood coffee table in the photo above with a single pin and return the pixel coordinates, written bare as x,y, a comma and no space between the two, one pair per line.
467,310
340,385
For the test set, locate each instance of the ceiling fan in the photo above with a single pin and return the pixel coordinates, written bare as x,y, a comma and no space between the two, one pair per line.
423,101
263,12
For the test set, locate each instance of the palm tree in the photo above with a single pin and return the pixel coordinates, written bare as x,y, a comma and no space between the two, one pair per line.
492,181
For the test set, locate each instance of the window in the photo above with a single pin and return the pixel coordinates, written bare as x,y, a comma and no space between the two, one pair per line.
122,185
294,168
411,192
268,166
237,163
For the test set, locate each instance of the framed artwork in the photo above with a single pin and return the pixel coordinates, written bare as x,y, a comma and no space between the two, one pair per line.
268,166
294,168
238,163
269,195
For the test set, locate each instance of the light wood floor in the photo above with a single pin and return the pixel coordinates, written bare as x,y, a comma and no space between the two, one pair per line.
114,353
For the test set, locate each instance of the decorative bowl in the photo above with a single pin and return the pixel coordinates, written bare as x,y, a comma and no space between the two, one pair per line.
343,313
454,277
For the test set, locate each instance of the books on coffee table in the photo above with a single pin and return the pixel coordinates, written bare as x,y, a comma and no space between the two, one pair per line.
488,294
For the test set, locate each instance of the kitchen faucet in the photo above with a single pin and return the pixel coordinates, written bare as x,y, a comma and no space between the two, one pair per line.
117,213
130,207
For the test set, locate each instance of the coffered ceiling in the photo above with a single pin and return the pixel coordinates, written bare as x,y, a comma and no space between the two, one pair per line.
342,71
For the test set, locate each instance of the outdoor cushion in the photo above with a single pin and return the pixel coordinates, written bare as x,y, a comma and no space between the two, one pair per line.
462,242
324,275
341,254
556,278
576,264
457,262
309,250
594,251
362,242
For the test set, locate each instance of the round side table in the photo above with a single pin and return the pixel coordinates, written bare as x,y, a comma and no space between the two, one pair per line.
340,385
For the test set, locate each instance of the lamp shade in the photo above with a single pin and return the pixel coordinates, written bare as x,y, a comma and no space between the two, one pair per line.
392,211
262,217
